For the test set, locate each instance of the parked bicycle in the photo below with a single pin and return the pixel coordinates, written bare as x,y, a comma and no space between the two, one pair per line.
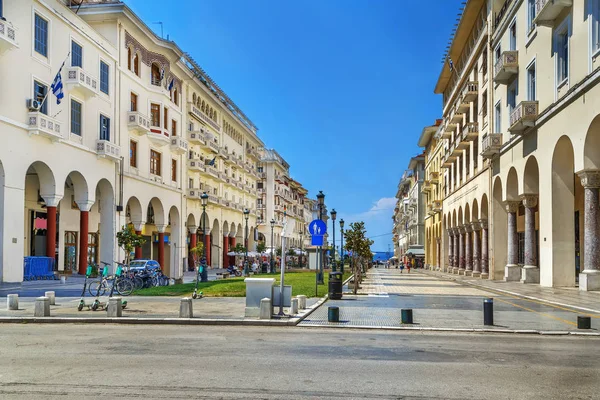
122,285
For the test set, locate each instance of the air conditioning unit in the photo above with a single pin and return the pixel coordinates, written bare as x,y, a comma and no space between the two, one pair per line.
33,105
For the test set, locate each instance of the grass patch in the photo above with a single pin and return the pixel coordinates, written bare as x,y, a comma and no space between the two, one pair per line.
302,282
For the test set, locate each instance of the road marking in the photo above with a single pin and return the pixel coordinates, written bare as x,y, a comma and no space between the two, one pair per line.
537,312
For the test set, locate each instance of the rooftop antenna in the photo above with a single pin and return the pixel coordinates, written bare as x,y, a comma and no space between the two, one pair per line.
161,28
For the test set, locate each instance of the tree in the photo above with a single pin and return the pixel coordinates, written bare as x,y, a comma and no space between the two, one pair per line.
128,240
239,248
261,247
291,252
360,246
197,253
278,252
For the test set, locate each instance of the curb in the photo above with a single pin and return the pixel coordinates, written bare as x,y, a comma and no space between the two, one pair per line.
504,291
148,321
319,303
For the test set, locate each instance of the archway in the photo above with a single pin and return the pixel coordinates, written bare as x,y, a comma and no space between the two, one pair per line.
497,254
156,224
192,235
105,198
215,248
176,245
529,251
78,213
226,242
512,186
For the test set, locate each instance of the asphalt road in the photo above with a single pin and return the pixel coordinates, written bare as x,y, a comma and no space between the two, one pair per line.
177,362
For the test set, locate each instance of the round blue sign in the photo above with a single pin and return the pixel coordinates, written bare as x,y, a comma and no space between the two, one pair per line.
317,228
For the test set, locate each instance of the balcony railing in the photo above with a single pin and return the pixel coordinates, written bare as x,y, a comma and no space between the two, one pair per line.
104,148
196,112
194,194
8,34
223,153
262,175
159,136
213,146
426,186
437,205
138,122
491,145
196,164
470,131
252,152
42,125
546,11
507,67
197,137
449,130
213,199
212,171
434,176
470,91
462,106
80,81
523,116
179,145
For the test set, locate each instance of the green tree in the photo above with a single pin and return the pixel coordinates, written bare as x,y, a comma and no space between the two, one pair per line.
278,252
128,240
261,247
239,248
357,242
197,253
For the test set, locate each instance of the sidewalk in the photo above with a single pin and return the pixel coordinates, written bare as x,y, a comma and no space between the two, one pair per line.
570,297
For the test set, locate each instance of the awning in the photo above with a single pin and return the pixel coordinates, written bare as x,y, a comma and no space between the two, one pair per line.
416,252
393,258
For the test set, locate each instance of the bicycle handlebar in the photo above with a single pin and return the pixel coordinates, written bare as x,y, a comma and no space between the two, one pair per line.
105,263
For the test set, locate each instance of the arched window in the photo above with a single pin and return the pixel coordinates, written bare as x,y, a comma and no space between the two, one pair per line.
136,64
202,106
155,74
194,98
129,58
175,96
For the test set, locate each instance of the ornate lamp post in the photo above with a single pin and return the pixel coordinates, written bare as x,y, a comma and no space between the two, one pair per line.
301,249
246,215
342,245
333,215
321,201
204,272
272,246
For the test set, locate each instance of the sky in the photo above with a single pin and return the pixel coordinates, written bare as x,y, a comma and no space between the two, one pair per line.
340,88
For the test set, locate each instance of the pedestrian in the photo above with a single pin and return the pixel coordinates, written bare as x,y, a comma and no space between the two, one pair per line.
401,267
408,266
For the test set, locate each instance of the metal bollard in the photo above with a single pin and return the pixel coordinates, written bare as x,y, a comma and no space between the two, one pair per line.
488,311
407,315
333,314
584,322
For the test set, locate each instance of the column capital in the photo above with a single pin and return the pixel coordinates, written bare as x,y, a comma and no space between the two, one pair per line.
476,225
461,229
529,200
590,178
138,225
192,229
51,200
85,205
512,206
483,223
468,228
161,228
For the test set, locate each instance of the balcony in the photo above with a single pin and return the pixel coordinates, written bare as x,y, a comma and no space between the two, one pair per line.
42,125
261,191
223,153
448,159
179,145
213,199
197,137
194,194
196,164
7,36
449,130
430,209
491,145
470,92
212,171
426,188
523,117
159,136
196,112
462,106
138,122
278,207
507,67
78,80
546,11
434,176
106,149
262,175
469,132
456,118
213,146
252,153
437,205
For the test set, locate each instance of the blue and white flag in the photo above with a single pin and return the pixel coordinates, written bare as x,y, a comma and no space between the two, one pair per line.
57,85
171,84
162,74
212,162
451,64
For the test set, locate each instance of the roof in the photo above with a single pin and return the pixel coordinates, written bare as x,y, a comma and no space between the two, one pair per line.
415,160
271,155
428,133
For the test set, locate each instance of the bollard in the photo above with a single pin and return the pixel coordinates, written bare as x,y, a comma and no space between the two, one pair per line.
185,308
52,297
584,322
63,279
406,315
301,301
115,307
294,307
42,307
488,311
333,314
12,302
265,308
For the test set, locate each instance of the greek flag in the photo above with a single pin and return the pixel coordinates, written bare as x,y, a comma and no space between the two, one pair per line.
212,162
451,64
57,85
171,84
162,74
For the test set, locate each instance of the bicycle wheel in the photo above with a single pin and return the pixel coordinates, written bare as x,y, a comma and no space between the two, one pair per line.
138,283
164,281
155,281
124,287
97,288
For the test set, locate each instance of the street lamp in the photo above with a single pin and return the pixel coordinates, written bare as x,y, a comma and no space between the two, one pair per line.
246,215
321,201
300,249
272,246
333,215
342,245
204,272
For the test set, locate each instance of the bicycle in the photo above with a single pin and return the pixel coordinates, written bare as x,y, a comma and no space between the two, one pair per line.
122,285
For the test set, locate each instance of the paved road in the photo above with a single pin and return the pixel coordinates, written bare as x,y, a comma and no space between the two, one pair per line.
175,362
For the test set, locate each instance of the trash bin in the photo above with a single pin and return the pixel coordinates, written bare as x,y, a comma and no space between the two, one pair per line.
335,285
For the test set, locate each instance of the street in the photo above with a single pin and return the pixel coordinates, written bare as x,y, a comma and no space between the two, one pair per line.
173,362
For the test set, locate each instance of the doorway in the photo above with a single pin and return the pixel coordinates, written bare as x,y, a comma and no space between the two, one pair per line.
70,251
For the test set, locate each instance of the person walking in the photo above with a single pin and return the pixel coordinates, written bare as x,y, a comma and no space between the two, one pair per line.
408,266
401,267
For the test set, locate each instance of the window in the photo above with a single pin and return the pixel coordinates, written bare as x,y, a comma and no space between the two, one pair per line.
497,118
133,102
155,75
92,248
175,97
166,118
41,36
104,77
513,36
155,114
595,18
39,93
174,170
511,100
154,162
75,117
498,53
190,183
531,82
562,52
136,65
173,128
76,55
129,58
133,154
530,15
484,62
1,14
104,128
475,154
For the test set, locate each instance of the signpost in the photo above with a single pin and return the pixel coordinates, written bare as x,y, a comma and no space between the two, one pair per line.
317,229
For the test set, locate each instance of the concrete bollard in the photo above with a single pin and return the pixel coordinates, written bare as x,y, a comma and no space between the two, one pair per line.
294,307
185,308
12,302
265,308
52,297
63,279
301,301
42,307
584,322
115,307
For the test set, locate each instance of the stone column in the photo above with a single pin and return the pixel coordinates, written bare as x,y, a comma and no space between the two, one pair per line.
589,278
530,272
225,250
484,249
476,226
512,272
207,251
448,267
161,245
84,207
438,242
456,256
461,250
51,205
468,250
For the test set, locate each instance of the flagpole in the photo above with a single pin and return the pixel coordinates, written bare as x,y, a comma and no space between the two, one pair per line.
59,71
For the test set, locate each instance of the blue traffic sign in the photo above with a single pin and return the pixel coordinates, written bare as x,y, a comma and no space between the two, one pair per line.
317,240
317,228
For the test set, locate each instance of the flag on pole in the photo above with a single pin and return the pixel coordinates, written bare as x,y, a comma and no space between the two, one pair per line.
212,162
162,74
451,64
171,84
57,85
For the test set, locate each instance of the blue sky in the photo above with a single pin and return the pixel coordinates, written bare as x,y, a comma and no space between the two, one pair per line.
341,88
